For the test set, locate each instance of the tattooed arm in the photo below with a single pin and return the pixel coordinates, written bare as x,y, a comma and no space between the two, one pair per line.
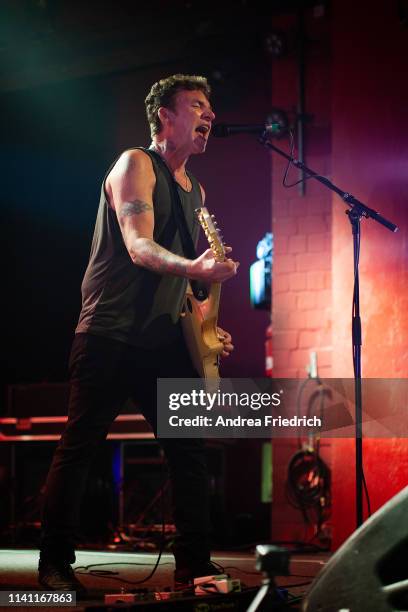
130,187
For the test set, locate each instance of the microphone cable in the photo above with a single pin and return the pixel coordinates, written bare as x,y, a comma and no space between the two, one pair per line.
290,162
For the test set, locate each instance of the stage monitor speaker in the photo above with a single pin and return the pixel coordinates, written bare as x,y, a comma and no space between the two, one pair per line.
370,570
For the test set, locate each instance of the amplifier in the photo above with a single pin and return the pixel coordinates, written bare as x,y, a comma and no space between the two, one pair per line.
38,412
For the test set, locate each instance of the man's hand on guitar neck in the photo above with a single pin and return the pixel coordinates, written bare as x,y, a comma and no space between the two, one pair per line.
206,268
226,339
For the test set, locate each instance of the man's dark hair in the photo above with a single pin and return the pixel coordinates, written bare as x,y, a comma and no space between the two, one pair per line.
164,91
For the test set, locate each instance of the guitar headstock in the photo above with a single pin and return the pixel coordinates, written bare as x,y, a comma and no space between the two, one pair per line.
212,233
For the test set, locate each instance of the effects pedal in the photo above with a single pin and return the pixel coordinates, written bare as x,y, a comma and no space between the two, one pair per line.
221,583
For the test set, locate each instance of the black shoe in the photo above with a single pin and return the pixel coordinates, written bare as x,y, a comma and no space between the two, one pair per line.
184,576
59,577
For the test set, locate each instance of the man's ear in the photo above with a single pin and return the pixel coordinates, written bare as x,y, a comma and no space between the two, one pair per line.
164,114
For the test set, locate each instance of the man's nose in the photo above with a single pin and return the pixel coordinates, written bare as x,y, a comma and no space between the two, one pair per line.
209,114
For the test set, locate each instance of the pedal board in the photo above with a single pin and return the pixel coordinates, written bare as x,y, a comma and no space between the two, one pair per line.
169,601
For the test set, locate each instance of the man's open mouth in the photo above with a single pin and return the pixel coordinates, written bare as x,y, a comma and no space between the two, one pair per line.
203,129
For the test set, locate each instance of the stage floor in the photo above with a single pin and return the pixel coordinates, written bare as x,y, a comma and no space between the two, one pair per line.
110,572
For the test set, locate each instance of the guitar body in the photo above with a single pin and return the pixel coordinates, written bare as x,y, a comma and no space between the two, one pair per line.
199,318
199,323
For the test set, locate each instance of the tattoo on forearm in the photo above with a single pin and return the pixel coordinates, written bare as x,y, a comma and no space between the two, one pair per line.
134,208
160,260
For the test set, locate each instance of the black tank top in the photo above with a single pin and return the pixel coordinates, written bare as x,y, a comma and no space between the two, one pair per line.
124,301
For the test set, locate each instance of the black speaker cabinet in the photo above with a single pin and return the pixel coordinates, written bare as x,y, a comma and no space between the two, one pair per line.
370,570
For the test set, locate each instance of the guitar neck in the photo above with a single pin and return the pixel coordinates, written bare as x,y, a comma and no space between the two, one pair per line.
217,246
214,295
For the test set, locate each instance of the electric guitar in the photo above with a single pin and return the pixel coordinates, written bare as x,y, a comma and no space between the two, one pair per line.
199,318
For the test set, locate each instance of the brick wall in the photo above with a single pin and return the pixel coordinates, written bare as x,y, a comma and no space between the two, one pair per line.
302,280
301,293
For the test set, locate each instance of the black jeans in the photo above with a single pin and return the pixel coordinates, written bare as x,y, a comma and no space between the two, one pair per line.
103,374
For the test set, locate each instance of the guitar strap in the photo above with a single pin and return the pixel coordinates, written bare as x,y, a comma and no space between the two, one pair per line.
199,289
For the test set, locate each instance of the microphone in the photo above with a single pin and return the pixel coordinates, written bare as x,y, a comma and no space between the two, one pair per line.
222,130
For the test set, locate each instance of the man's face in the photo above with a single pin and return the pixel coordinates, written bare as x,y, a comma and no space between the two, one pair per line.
189,124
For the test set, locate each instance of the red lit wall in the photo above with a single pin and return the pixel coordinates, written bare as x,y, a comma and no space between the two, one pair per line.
357,92
369,158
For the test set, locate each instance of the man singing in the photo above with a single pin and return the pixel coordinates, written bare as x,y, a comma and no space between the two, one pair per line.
129,333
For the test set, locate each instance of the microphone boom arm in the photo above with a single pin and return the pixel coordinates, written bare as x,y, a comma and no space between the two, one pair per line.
361,209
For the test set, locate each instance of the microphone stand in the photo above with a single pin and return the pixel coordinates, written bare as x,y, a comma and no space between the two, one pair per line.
357,211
